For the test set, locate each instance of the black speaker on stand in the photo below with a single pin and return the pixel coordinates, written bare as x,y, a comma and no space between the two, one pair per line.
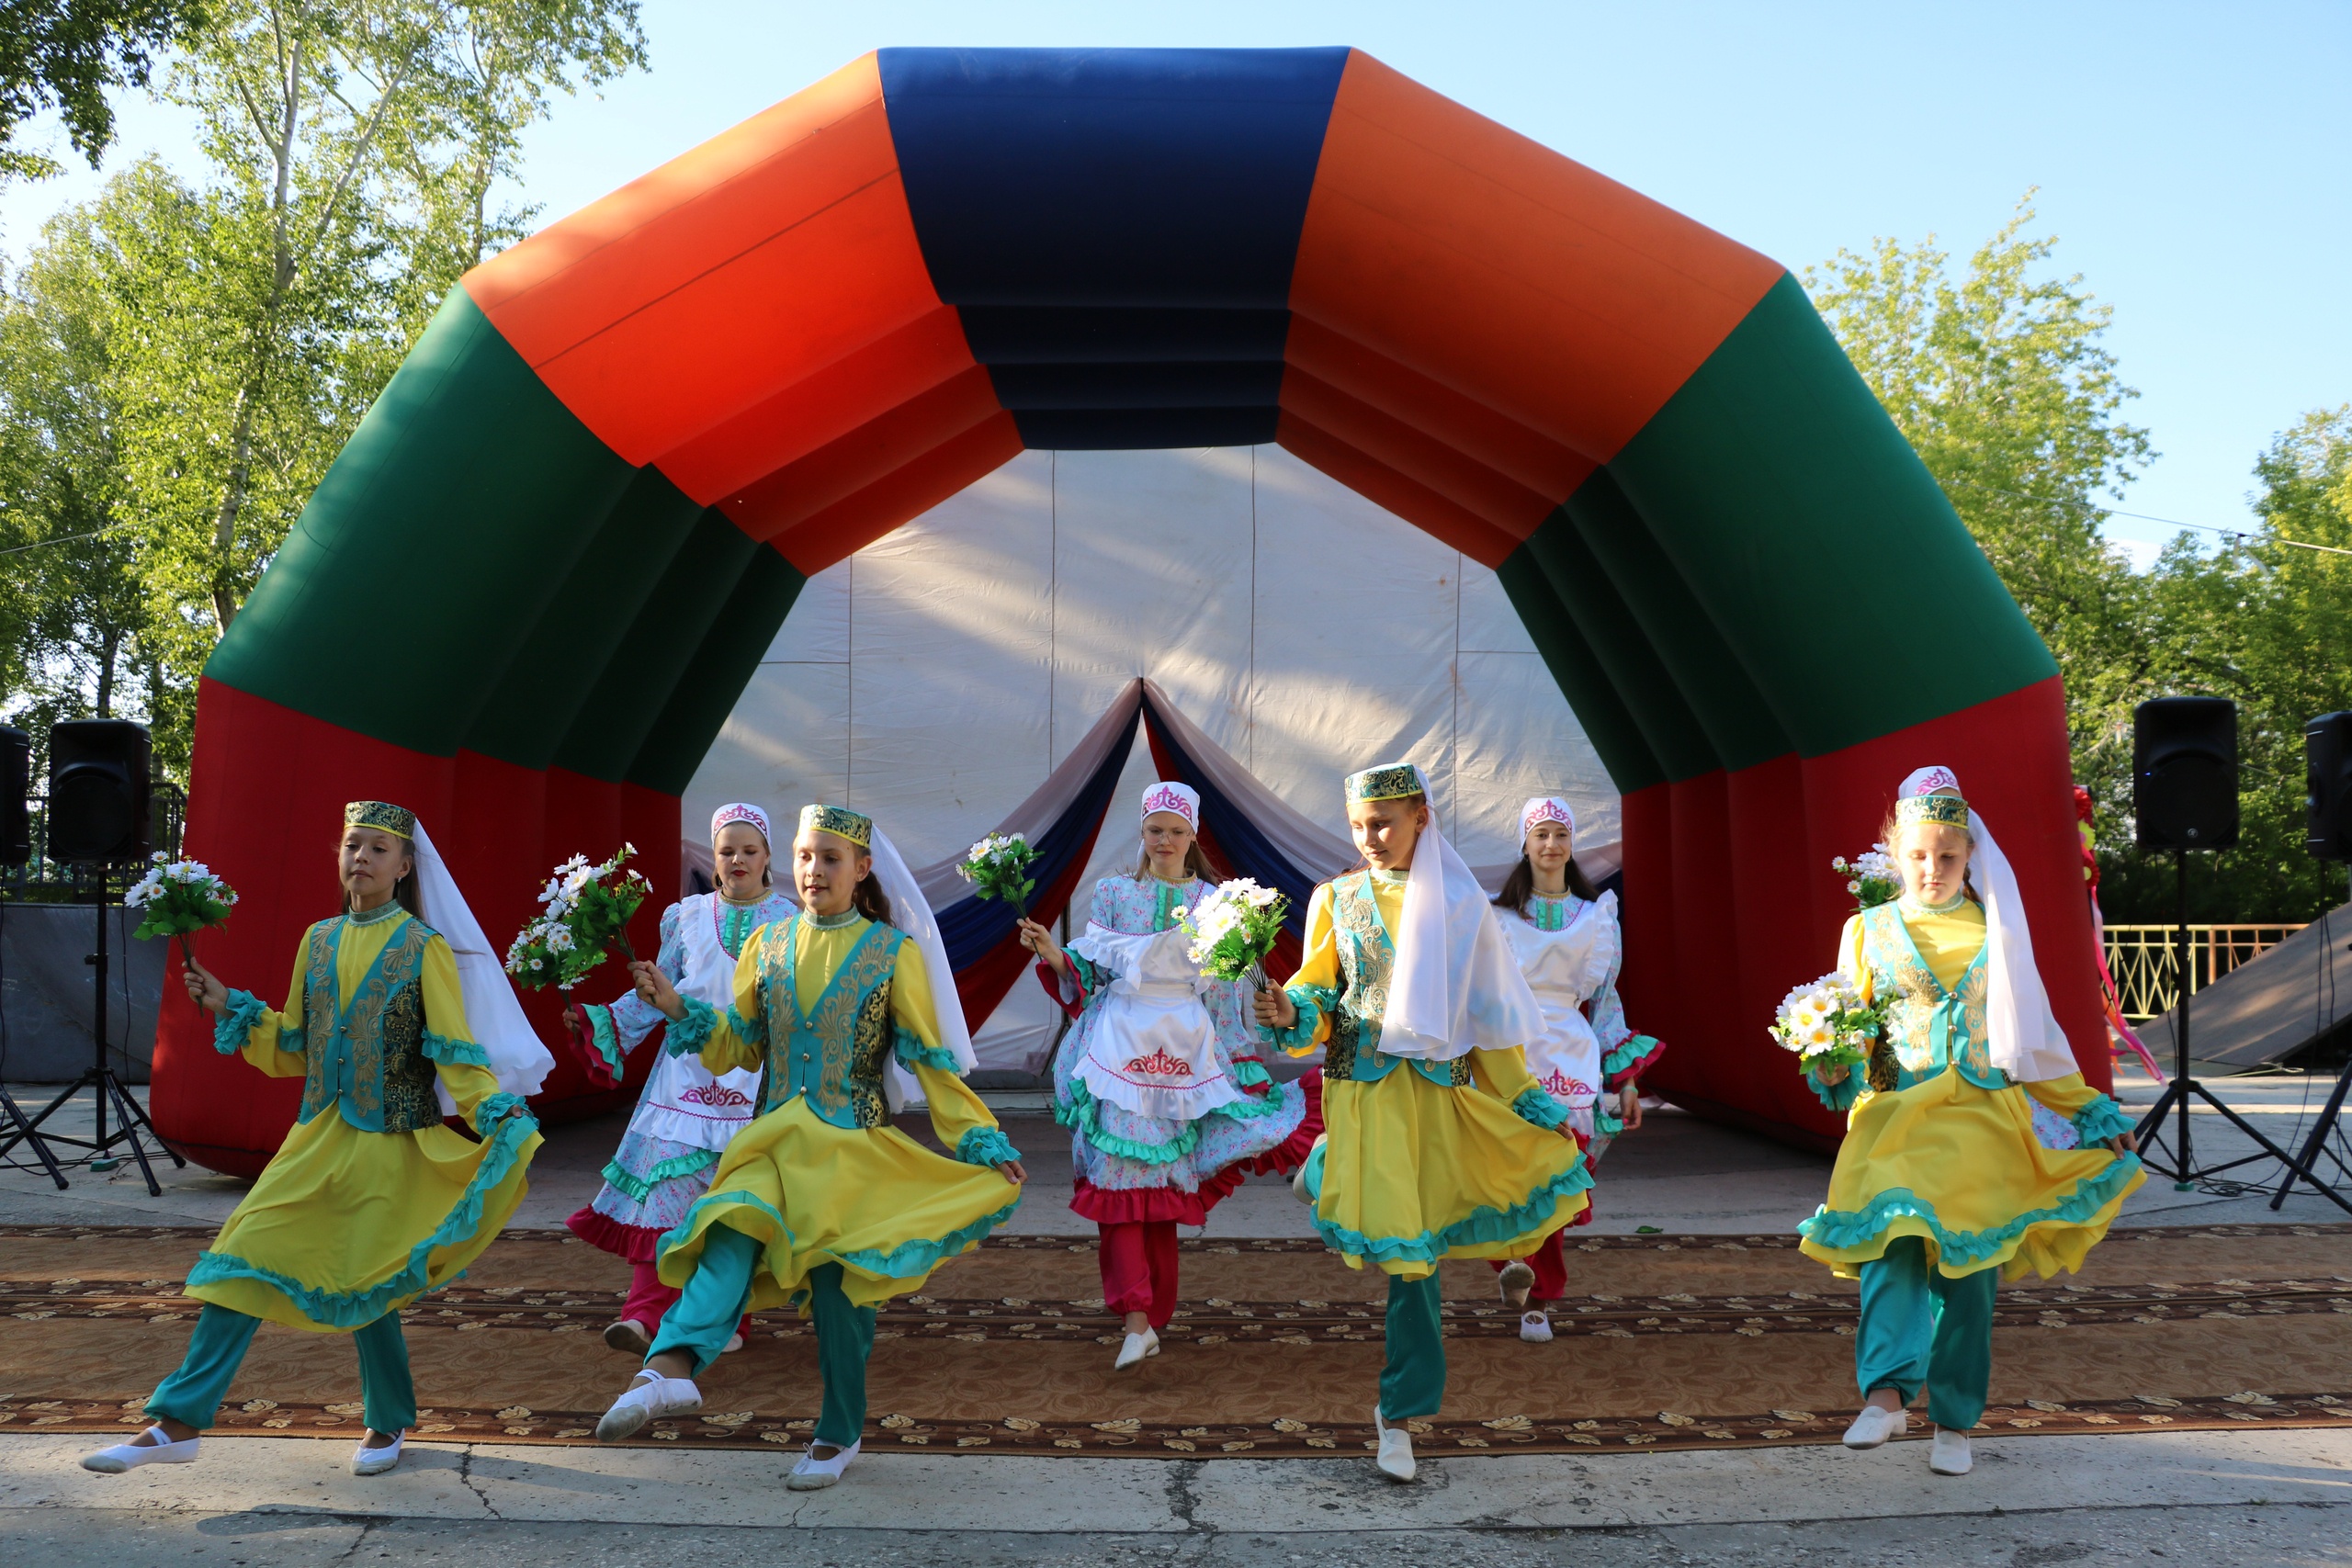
2185,796
2327,834
101,818
15,849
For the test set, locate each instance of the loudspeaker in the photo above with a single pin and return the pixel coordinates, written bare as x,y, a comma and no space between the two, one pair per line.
98,809
15,782
2185,773
2327,786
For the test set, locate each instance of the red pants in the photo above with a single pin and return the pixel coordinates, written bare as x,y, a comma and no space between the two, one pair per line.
1139,1268
650,1299
1551,1268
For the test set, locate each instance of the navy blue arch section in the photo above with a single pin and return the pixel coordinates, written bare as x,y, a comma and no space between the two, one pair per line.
1116,227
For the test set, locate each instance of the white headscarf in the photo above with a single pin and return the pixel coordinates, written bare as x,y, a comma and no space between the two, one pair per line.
910,912
492,1015
2025,1041
1456,987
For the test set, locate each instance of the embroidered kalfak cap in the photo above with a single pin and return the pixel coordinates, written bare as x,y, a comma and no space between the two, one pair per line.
741,811
1388,781
381,814
1179,799
1547,808
839,819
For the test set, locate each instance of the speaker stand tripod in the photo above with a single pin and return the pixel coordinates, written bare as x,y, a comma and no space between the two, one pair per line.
2316,1145
131,1123
2183,1169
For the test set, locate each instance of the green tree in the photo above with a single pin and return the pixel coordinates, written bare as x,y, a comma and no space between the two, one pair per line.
2000,379
66,55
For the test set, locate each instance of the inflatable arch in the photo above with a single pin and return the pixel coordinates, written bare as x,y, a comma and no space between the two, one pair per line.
583,505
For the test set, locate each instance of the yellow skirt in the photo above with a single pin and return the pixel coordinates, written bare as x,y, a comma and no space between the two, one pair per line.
343,1226
1960,1168
1413,1171
874,1200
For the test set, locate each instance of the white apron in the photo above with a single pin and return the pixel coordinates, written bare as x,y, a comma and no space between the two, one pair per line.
683,1101
1152,1046
1564,968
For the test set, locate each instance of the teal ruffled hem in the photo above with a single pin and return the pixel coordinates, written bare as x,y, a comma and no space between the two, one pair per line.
677,1237
1535,1104
452,1052
1313,1002
236,1021
1636,1048
985,1145
913,1053
1081,1116
2100,1120
641,1188
1843,1230
686,1036
606,1039
341,1308
912,1260
1479,1228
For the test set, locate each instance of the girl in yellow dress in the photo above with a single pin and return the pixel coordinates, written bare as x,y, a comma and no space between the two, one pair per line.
371,1202
1941,1187
821,1202
1440,1143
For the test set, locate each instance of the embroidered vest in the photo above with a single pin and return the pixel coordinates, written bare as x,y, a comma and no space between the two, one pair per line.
1367,959
1929,1028
368,1053
835,1053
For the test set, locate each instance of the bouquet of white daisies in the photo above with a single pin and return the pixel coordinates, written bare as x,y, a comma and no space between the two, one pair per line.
997,867
587,911
1827,1024
179,898
1871,877
1233,928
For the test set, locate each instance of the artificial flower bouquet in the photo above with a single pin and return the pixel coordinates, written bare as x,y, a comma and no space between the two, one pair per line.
1233,928
997,867
1871,877
179,898
587,911
1825,1023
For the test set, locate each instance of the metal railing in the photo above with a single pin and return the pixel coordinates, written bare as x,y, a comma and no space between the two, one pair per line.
2146,963
44,880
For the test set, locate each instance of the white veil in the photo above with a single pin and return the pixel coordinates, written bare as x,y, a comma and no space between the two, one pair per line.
1456,987
2025,1041
492,1015
910,912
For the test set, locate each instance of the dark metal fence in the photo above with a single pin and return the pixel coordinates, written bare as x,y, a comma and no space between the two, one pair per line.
44,880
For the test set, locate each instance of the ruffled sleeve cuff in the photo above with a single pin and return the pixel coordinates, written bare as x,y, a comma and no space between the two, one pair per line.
1313,1002
1250,1076
985,1145
688,1035
236,1022
499,1108
451,1051
1536,1105
1069,994
2100,1120
913,1053
1626,1064
1841,1095
599,1047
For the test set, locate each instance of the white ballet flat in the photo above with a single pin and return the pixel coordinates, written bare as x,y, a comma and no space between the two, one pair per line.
1136,1348
365,1461
1396,1459
1516,1280
628,1337
734,1343
814,1474
1874,1426
131,1456
1949,1454
1535,1327
649,1398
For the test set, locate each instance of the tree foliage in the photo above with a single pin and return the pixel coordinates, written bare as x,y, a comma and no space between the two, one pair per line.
66,55
239,324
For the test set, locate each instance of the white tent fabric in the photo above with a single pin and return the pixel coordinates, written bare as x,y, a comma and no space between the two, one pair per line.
946,671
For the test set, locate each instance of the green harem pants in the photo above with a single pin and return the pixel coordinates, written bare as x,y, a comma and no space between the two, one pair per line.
1412,1382
1921,1328
194,1392
711,1306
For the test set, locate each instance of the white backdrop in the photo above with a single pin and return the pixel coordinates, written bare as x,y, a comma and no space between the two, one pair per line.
933,679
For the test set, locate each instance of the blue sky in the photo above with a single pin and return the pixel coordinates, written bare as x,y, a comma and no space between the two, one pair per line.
2192,159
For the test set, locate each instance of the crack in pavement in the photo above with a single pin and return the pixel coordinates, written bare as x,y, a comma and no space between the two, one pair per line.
465,1479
